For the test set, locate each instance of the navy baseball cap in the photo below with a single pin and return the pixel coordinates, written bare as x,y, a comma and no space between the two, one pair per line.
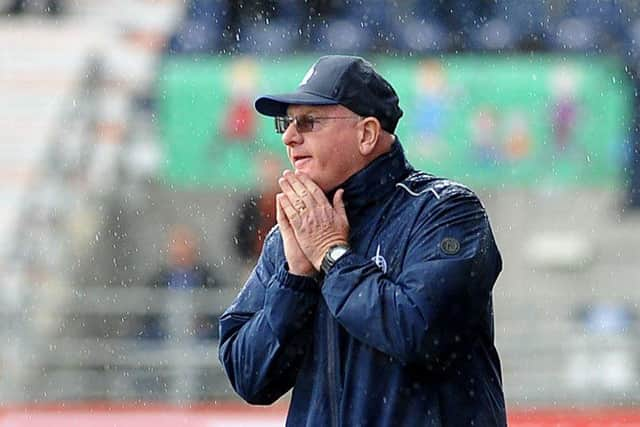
346,80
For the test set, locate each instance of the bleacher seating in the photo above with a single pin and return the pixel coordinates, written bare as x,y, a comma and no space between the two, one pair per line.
66,92
81,211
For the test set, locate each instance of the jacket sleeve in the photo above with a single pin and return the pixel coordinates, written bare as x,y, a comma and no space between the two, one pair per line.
264,334
439,301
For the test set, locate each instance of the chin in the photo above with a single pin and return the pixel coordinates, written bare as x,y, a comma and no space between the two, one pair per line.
315,178
325,186
322,182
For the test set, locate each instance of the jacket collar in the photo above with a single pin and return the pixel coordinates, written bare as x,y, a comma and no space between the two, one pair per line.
376,181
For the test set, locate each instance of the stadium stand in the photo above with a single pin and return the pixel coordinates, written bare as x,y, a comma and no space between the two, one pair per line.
67,89
83,212
42,86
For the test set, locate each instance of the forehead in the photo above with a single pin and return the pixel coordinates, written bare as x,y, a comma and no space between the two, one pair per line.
296,110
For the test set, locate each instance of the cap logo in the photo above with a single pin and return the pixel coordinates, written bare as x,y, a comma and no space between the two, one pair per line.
307,76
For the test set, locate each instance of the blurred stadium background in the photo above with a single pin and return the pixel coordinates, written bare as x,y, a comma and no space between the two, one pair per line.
123,118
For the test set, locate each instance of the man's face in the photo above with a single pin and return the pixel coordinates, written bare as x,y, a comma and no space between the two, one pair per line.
329,153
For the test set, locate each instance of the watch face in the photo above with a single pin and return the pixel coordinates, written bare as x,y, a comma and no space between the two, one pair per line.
337,252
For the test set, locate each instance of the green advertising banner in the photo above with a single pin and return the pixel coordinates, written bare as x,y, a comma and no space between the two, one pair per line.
484,120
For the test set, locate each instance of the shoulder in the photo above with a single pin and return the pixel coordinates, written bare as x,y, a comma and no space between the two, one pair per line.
426,187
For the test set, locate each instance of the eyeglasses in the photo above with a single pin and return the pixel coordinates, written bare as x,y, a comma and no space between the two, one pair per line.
304,122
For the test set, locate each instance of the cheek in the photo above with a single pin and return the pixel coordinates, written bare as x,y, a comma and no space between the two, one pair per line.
339,164
344,155
332,159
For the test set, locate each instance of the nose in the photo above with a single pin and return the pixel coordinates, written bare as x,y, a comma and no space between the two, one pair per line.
291,136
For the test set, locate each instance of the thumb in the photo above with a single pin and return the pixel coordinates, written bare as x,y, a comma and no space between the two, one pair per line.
338,203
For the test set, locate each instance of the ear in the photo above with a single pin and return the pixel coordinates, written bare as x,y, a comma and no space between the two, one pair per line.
369,133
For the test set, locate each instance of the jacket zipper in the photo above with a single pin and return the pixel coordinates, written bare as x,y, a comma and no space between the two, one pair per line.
331,371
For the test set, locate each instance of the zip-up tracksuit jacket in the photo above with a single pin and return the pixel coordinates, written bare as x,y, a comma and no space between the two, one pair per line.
398,333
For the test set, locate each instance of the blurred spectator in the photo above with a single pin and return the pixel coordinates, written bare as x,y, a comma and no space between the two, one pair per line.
606,319
632,166
256,214
240,121
203,28
47,7
604,356
183,271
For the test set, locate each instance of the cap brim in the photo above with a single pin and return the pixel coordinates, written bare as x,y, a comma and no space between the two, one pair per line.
276,105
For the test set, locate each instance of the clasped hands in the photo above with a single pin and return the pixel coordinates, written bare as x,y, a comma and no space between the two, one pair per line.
308,222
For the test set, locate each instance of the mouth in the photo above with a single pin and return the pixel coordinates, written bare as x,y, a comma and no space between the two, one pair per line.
299,161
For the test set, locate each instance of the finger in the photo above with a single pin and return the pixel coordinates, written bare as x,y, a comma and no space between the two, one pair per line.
314,189
286,187
289,210
295,200
286,229
300,189
338,203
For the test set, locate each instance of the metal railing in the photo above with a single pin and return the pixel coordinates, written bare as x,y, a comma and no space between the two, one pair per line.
39,263
99,351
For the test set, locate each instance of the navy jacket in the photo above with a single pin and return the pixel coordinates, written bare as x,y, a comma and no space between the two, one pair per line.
399,333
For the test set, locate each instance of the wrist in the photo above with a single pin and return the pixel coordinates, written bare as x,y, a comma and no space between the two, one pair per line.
332,255
301,272
292,280
322,252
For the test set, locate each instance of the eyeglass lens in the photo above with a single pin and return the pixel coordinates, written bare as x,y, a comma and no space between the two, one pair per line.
303,123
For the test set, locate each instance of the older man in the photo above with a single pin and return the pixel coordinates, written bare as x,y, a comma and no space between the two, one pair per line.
372,297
